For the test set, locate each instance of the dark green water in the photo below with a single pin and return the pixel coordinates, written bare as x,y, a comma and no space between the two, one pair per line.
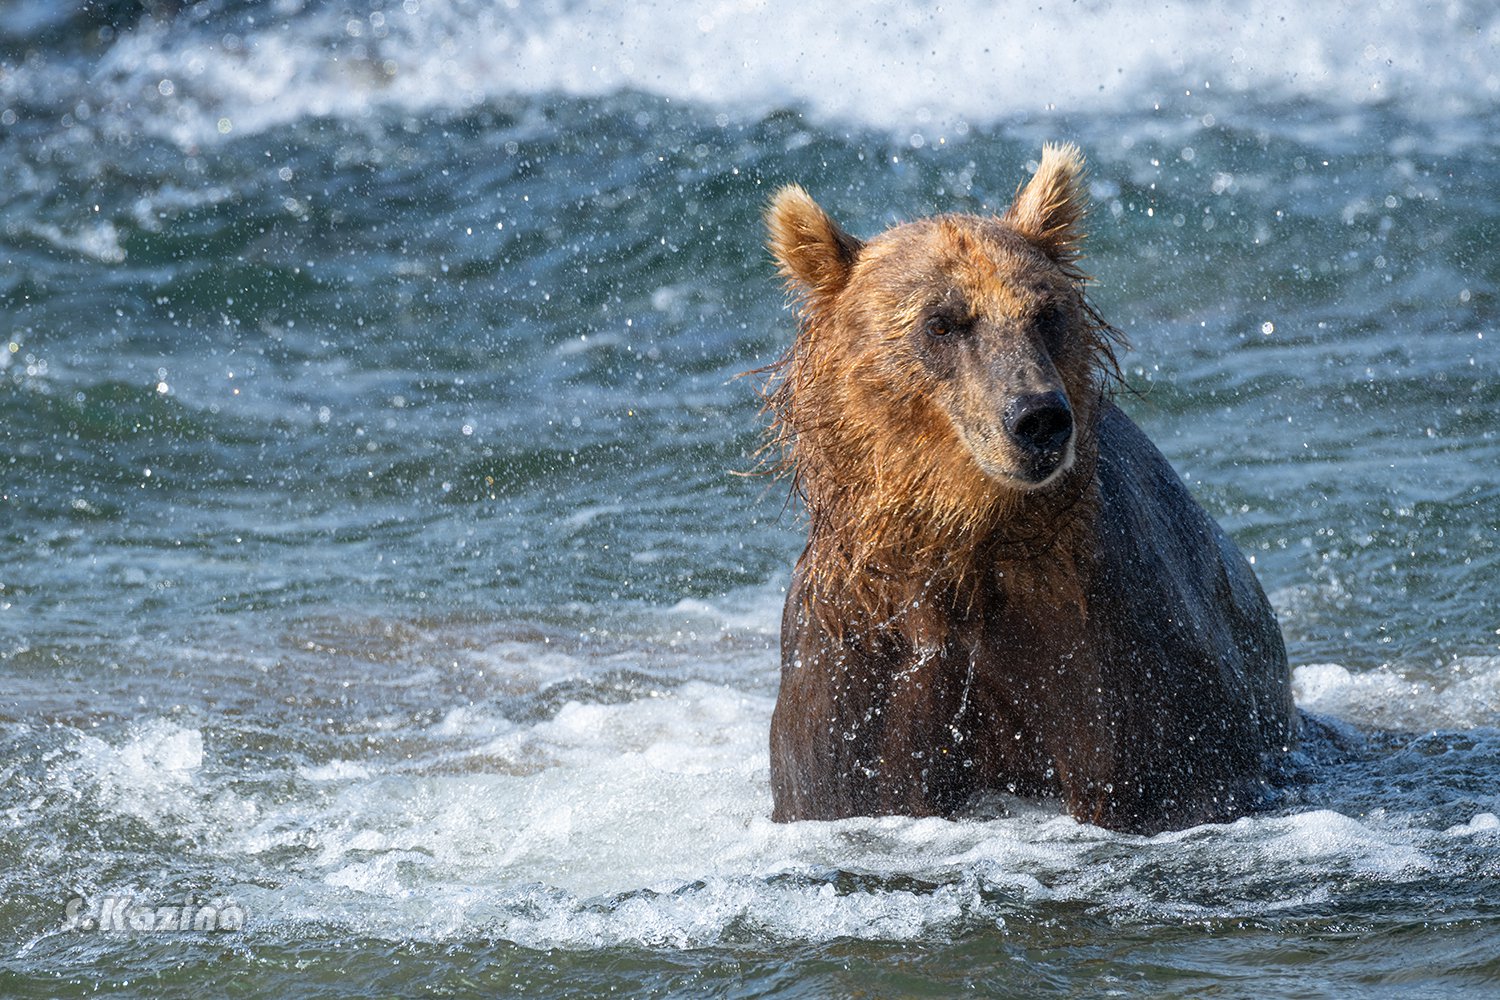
373,560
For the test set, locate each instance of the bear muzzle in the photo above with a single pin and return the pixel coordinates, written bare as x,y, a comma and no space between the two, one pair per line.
1040,428
1033,445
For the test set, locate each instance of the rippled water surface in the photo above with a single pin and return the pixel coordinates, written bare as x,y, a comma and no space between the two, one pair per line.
374,569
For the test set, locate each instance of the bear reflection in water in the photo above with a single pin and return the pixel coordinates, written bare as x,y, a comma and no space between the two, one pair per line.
1005,588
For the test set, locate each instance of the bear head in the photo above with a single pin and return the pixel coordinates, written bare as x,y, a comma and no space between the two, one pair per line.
946,372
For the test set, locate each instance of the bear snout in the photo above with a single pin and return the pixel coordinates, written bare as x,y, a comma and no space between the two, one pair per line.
1041,424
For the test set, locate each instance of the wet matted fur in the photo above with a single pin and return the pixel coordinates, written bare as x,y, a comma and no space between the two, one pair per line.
1005,585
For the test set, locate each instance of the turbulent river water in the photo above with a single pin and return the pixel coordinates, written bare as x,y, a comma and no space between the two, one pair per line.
378,596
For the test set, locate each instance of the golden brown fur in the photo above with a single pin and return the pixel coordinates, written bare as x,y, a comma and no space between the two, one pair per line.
971,493
898,505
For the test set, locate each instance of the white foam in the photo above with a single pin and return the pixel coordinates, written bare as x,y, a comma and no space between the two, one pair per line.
1321,840
154,775
99,241
914,68
526,665
151,210
645,822
751,610
1487,824
151,775
334,770
1464,695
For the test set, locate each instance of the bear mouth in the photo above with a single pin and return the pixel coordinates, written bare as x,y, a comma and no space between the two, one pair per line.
1031,471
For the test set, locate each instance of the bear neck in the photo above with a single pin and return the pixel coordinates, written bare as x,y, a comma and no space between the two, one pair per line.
919,570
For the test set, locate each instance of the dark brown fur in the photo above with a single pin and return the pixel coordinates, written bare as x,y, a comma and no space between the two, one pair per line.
980,607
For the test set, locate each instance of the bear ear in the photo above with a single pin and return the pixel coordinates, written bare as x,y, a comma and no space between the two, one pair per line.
815,254
1049,210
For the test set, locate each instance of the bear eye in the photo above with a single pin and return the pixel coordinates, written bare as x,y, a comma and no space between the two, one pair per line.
939,327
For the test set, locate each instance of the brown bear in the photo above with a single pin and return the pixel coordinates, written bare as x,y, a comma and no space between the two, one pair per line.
1006,588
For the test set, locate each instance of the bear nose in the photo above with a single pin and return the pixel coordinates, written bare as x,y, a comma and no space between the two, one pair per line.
1040,422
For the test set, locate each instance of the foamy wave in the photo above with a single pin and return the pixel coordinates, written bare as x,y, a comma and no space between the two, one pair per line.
101,241
1468,695
930,69
645,823
889,879
154,775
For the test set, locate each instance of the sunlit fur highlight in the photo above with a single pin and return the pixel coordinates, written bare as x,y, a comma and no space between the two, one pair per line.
1050,209
902,519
